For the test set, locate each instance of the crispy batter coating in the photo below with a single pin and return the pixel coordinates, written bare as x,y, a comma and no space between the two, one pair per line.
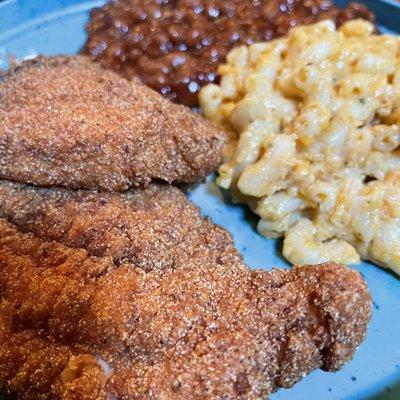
156,227
65,121
80,327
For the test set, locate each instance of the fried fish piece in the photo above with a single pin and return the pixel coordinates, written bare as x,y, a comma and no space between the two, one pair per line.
153,228
79,327
66,121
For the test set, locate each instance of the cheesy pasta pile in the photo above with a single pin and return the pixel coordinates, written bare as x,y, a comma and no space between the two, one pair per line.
314,121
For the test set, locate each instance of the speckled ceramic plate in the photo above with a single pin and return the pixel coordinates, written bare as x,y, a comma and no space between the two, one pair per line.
57,26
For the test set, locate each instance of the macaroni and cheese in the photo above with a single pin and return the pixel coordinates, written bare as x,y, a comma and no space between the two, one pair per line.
314,122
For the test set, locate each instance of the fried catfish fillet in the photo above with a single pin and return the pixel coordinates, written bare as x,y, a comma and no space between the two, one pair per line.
80,327
66,121
153,228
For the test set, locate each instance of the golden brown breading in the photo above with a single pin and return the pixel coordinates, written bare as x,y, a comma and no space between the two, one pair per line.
75,327
153,228
66,121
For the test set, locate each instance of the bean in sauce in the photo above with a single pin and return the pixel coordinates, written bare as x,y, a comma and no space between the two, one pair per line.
175,46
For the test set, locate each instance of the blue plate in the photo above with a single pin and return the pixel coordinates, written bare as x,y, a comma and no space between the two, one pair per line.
57,26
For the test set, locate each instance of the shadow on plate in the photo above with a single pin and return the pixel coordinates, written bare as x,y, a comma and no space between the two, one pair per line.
388,393
247,214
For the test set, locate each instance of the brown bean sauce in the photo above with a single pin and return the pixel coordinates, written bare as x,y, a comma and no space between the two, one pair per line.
175,46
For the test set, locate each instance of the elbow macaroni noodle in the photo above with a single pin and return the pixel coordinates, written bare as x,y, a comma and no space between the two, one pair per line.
314,125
